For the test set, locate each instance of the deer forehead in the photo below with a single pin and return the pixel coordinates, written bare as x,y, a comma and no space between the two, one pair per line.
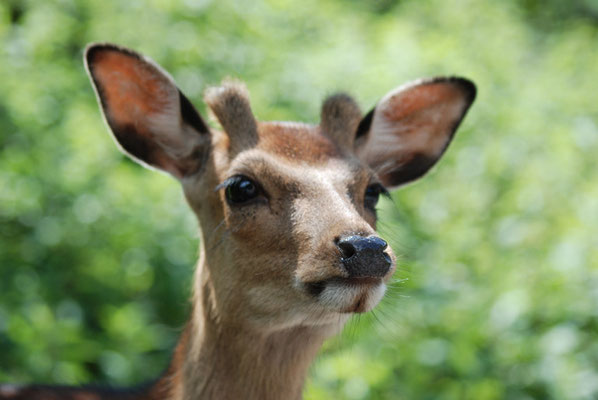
295,157
297,142
297,176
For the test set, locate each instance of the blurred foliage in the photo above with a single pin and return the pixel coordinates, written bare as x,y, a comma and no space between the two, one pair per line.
497,291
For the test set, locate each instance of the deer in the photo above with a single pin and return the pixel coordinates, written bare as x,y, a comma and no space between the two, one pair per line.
286,214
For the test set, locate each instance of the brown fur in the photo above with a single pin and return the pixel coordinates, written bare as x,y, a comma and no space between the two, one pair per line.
270,285
297,142
230,103
340,115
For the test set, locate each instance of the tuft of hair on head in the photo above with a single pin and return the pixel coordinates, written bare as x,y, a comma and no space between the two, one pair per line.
339,119
230,104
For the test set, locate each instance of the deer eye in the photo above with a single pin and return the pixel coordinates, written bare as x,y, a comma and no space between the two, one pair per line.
372,194
239,189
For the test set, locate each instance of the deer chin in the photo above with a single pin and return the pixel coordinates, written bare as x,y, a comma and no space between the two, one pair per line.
348,295
326,304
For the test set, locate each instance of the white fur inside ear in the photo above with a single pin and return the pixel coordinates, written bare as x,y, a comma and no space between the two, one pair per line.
417,119
177,139
142,107
426,134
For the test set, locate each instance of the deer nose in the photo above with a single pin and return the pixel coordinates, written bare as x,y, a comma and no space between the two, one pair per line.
364,256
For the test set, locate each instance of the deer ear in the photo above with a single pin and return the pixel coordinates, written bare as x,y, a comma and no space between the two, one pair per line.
409,129
149,117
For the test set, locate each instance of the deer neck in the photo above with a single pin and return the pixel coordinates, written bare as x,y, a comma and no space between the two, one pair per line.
219,360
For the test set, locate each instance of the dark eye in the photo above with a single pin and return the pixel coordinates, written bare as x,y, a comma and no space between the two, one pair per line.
372,194
240,189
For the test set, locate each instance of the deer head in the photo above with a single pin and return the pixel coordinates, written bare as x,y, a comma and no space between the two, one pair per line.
287,210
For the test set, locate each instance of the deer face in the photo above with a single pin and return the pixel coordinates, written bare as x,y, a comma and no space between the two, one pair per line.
287,210
297,232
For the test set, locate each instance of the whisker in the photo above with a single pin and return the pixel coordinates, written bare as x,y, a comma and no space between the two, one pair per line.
388,166
373,314
218,226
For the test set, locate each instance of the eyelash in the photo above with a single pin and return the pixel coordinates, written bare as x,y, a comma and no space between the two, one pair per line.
371,199
240,190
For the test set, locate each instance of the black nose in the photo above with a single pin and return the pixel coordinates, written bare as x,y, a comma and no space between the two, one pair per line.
364,256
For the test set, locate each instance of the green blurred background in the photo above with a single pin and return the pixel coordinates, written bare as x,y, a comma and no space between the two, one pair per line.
497,290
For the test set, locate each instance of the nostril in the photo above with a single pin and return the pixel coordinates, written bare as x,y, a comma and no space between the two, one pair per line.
347,248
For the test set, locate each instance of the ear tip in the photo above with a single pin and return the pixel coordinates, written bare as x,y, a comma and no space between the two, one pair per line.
92,49
95,48
468,87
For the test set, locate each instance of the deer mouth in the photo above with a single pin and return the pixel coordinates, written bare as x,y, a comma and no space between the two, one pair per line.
348,295
316,288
